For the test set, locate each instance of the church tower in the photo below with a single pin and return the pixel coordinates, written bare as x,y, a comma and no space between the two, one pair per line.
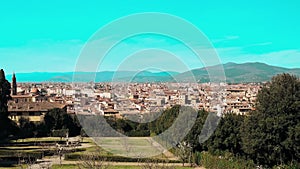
14,84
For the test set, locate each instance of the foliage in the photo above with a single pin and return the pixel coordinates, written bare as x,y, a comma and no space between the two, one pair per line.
193,137
57,119
7,126
92,161
184,152
197,158
270,134
56,122
155,164
60,133
165,120
27,128
115,158
227,136
4,95
228,162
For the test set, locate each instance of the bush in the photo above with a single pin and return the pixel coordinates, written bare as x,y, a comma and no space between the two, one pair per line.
197,158
213,162
74,156
295,165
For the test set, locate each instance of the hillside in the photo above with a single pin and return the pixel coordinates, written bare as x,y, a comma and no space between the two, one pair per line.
235,73
105,76
241,73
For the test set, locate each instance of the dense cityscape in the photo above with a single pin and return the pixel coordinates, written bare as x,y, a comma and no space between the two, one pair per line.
33,100
149,84
50,112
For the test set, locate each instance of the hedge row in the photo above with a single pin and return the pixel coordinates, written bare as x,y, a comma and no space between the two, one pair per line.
34,154
74,156
6,154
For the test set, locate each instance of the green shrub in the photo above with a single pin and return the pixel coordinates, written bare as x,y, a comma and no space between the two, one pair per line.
294,165
197,158
228,162
74,156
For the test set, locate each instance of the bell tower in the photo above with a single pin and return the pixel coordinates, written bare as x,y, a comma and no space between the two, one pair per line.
14,84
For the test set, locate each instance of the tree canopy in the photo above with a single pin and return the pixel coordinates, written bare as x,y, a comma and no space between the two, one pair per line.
270,134
7,127
4,94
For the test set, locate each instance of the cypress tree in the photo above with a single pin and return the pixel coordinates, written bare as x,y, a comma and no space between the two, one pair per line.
7,127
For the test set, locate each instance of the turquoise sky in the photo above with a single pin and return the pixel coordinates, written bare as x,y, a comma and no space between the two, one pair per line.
47,36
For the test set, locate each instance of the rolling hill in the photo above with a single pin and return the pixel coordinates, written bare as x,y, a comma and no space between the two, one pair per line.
241,73
105,76
235,73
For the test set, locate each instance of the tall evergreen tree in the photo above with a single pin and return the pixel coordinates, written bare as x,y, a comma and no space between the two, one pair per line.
227,136
193,137
58,119
4,94
7,126
270,135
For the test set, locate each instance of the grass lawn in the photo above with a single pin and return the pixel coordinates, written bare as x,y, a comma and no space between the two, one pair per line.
94,150
42,139
130,146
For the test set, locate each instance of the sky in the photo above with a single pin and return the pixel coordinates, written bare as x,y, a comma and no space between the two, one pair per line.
49,36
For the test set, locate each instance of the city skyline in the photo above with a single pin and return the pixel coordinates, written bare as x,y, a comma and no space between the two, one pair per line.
150,84
48,37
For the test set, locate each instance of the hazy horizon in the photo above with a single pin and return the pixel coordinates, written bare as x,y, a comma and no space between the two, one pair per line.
152,71
34,38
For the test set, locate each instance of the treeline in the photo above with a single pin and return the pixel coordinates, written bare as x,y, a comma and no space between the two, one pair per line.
268,136
56,123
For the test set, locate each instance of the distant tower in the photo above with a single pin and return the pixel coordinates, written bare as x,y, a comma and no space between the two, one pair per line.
14,84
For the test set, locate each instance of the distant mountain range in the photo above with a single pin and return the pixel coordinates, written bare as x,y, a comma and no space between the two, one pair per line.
242,73
235,73
105,76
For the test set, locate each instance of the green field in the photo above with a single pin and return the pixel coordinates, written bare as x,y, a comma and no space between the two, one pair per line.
130,146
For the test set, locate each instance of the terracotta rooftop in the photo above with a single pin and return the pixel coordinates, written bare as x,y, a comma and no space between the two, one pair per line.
33,106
